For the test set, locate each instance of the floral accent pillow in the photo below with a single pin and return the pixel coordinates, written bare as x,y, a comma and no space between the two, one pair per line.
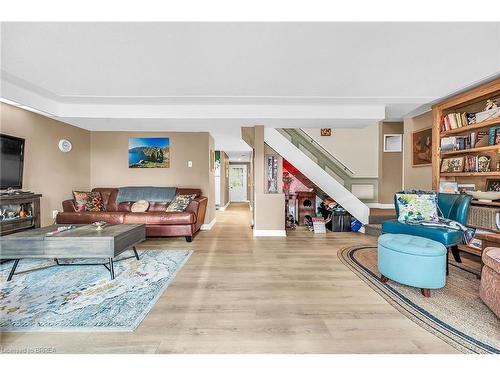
417,207
88,201
180,203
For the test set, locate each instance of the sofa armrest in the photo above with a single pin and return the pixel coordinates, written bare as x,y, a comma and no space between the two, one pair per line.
69,205
198,206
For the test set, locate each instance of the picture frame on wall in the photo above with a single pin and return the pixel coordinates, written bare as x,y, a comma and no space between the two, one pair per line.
421,147
149,153
393,142
326,132
452,165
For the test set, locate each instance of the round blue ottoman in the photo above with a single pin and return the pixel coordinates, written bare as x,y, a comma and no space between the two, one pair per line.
412,260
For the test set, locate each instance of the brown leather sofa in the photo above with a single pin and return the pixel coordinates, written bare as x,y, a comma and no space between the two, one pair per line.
159,223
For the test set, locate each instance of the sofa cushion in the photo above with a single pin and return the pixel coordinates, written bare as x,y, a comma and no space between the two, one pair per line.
180,203
88,201
88,217
185,191
108,197
491,258
159,218
140,206
157,206
446,236
149,193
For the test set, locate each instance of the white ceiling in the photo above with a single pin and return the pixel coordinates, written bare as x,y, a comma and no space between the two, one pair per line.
218,77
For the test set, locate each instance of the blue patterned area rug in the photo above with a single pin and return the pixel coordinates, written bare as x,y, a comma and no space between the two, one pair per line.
454,313
54,298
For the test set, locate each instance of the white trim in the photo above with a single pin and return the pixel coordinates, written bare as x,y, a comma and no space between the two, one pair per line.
269,233
381,205
208,226
223,208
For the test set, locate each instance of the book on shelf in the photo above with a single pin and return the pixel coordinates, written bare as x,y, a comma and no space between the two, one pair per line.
477,163
473,140
462,188
456,120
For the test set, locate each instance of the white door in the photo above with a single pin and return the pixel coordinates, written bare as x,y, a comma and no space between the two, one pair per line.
238,183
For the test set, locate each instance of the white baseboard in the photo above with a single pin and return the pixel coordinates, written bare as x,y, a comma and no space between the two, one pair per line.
223,208
269,233
207,226
381,205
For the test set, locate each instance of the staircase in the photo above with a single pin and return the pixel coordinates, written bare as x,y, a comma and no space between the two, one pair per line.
364,188
377,217
303,179
321,168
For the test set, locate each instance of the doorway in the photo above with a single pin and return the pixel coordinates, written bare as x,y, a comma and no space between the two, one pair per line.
238,183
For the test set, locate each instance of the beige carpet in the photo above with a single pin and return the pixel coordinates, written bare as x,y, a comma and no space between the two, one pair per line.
454,313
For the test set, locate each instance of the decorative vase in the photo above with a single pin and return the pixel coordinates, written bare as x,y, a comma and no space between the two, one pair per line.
22,211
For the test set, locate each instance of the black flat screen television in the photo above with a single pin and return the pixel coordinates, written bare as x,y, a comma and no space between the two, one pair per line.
11,162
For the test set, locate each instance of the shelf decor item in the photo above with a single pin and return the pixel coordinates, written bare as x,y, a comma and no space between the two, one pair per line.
492,184
448,187
485,196
452,165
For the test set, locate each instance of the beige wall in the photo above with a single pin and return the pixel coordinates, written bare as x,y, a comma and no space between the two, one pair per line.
416,177
47,170
390,164
109,163
356,148
269,209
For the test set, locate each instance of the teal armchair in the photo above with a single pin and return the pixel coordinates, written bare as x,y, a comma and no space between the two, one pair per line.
452,206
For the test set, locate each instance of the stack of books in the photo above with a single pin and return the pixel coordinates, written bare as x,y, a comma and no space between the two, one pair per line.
473,140
476,163
457,120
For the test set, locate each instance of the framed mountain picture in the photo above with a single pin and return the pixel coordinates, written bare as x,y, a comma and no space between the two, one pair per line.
148,153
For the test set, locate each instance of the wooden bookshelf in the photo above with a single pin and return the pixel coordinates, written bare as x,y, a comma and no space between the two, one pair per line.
468,128
472,150
476,202
469,101
471,174
470,250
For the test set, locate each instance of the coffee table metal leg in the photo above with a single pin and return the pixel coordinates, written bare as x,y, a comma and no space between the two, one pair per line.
135,253
111,268
11,273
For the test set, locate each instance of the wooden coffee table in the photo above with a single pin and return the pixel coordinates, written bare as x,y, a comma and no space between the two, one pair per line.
84,241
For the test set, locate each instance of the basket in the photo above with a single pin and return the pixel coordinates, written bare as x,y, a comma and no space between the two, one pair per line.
483,217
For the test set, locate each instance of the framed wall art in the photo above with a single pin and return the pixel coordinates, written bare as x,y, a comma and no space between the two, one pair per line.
421,147
148,153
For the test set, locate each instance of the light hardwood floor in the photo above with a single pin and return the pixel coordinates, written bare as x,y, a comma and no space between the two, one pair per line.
237,294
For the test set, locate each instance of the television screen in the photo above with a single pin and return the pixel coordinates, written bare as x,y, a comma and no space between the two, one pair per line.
11,162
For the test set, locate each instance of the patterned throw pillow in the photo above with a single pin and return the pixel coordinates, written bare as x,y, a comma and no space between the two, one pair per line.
180,203
417,207
140,206
88,201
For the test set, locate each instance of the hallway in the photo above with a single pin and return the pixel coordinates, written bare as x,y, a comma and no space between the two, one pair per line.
237,294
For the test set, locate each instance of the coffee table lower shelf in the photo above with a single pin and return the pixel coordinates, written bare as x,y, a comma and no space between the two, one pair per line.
109,266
